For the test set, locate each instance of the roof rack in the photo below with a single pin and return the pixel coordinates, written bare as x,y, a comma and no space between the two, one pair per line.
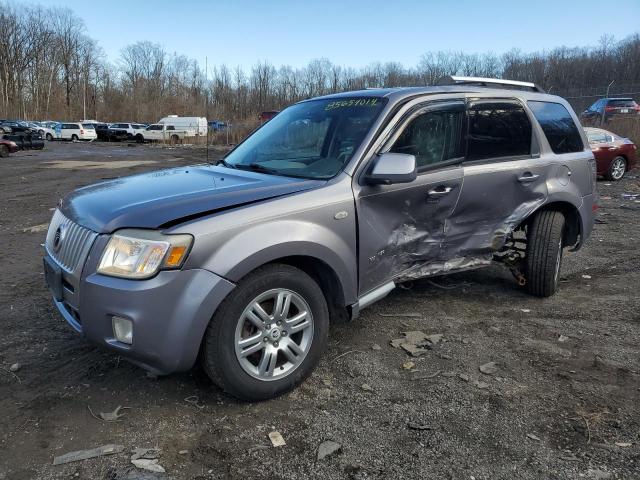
490,82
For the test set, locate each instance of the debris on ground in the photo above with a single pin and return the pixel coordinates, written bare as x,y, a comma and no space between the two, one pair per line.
112,416
148,465
409,365
630,196
406,315
15,367
586,277
183,452
375,346
481,385
563,338
366,387
417,343
533,437
418,426
78,455
195,401
276,439
525,310
463,377
328,448
36,228
490,368
623,444
145,453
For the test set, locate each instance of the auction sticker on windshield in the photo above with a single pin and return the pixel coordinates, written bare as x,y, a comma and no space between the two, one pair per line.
354,102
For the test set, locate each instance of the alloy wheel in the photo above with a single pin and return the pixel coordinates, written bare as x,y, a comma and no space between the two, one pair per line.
618,168
274,334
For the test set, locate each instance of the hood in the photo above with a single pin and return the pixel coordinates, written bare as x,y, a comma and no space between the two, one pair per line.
151,200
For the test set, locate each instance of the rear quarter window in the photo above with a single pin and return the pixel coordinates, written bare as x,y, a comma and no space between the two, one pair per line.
558,126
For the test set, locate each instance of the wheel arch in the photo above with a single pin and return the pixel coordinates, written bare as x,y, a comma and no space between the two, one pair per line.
573,220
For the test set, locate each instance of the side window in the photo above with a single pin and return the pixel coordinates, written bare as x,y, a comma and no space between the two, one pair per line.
497,129
433,137
170,127
558,126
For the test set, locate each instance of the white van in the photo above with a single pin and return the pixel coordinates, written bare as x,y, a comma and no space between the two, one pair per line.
193,126
77,131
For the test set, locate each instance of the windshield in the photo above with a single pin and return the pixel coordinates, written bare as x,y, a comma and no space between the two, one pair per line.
312,139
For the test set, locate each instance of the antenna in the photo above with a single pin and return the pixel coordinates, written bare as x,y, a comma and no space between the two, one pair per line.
206,106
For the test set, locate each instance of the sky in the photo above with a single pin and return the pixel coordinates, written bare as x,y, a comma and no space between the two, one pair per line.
349,33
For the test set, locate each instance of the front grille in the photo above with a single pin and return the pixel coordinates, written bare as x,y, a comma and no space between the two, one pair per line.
68,243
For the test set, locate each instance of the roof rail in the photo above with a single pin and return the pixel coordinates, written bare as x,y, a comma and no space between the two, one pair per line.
490,82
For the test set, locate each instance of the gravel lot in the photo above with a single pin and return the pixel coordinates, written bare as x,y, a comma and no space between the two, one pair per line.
564,402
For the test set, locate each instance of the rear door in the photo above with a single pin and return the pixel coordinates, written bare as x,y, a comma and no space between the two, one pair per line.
401,226
504,178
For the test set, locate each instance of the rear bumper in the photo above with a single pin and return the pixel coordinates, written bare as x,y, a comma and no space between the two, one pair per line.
169,312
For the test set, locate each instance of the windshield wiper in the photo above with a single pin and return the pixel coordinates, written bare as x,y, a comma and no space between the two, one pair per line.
257,167
226,164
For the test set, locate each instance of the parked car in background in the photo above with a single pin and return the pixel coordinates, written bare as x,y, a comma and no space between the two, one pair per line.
606,108
266,116
615,155
161,133
44,130
25,137
7,147
218,126
77,131
108,134
132,129
192,126
7,126
318,214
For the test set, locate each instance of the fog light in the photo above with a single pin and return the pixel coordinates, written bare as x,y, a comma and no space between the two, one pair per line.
122,330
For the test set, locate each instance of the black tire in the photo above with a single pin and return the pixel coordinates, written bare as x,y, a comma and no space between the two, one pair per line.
74,138
617,169
544,253
139,138
174,139
4,151
218,354
49,137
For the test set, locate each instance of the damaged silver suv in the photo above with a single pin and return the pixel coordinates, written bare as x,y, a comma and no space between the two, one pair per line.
319,213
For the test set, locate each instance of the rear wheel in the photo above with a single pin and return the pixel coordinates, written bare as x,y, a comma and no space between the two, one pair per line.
139,138
544,253
4,151
173,140
268,334
49,137
617,169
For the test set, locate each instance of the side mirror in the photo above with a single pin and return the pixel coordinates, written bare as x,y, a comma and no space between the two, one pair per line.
390,168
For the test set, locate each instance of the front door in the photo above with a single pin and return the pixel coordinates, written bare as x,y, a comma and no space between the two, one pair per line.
401,226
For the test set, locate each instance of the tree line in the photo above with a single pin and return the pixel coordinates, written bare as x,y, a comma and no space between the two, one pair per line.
50,68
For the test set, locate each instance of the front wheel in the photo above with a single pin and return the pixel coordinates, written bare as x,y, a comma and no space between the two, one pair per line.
4,151
544,253
268,334
49,137
74,138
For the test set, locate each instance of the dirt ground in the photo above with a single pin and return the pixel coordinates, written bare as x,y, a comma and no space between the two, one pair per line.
563,404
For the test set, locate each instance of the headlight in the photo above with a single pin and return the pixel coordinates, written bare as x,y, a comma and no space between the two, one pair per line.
141,253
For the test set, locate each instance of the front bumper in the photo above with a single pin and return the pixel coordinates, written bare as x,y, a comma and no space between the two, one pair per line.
170,313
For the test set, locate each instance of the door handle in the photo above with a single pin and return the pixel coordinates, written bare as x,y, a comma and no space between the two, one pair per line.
528,177
439,191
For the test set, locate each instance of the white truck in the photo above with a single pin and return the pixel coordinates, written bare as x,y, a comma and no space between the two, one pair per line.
160,132
195,126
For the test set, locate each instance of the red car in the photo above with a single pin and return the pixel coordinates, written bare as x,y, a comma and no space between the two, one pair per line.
7,147
615,155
